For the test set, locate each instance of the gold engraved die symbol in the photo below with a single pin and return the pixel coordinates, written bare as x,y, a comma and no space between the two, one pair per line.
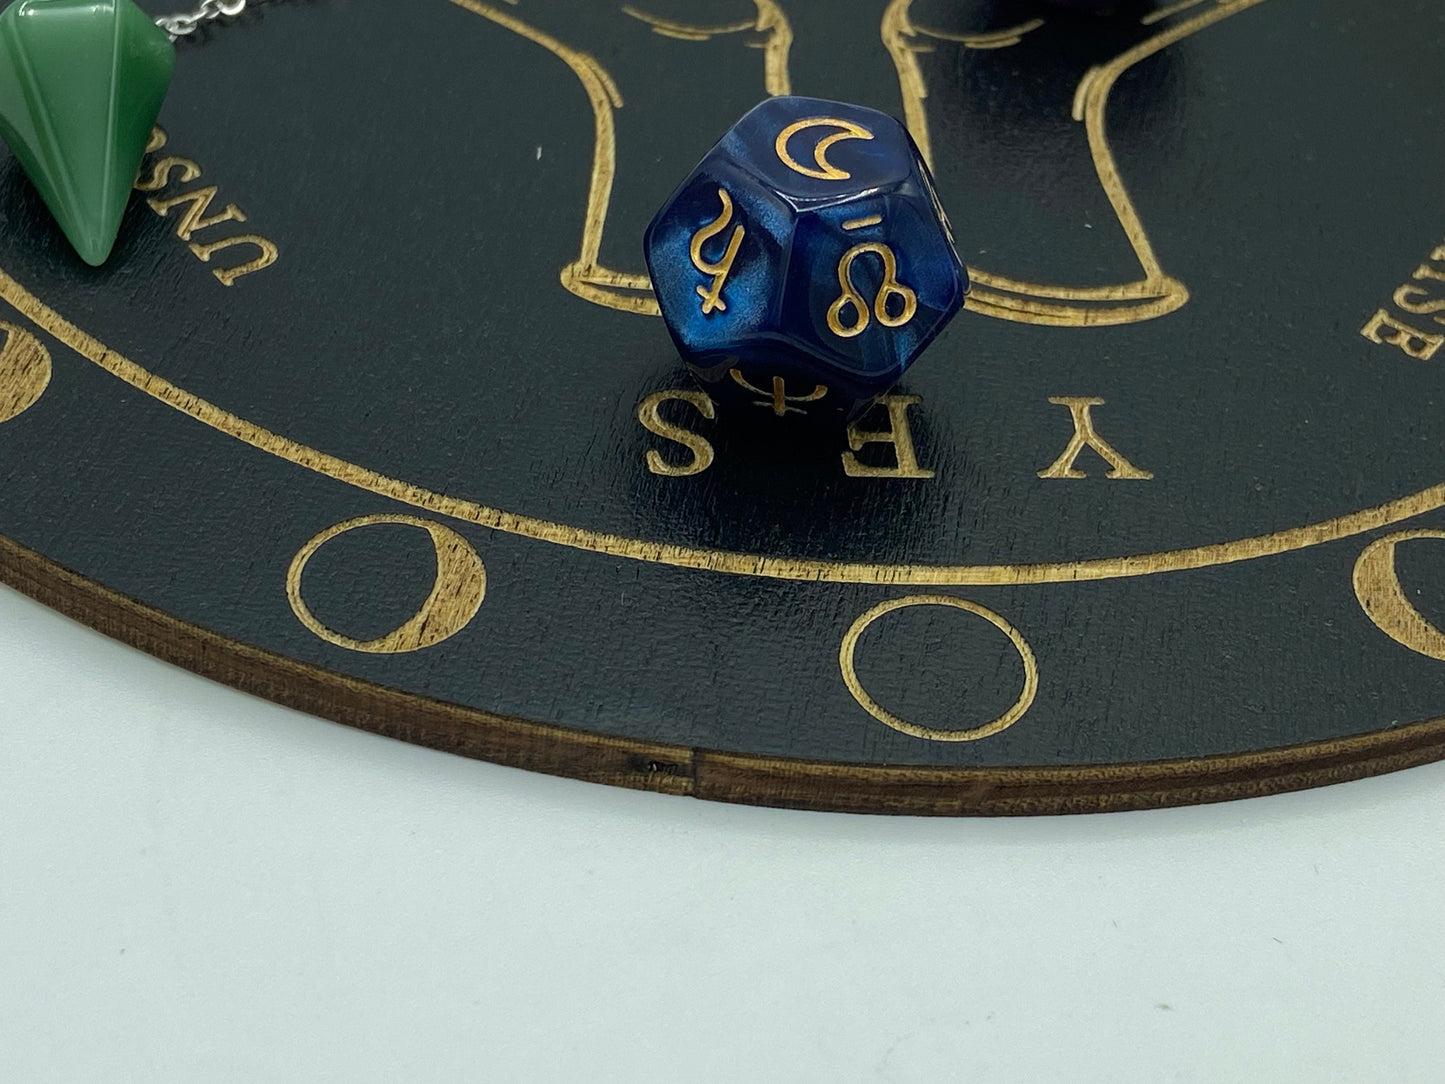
825,170
850,298
778,399
712,295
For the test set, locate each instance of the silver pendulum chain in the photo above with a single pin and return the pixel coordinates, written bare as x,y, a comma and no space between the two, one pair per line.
186,23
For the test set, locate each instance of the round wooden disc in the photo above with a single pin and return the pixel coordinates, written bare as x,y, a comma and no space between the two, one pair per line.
371,413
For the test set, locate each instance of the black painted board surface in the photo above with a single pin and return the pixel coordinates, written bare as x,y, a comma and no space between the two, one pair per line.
435,444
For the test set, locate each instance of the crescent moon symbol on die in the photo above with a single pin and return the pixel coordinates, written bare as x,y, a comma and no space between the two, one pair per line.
826,171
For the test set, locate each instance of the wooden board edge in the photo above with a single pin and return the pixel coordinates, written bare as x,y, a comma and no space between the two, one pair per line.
703,773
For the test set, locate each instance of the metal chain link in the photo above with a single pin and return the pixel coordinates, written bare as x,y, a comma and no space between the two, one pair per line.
183,24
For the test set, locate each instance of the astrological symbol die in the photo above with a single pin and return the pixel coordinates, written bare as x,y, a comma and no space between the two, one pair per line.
712,295
850,297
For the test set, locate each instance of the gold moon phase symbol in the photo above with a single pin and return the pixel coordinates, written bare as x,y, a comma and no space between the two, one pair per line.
1383,598
456,594
826,171
24,371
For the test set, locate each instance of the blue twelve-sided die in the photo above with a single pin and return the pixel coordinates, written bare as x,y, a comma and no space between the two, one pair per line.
806,262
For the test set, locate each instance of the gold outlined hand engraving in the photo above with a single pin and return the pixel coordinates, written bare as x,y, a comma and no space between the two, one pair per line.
586,276
1154,294
992,294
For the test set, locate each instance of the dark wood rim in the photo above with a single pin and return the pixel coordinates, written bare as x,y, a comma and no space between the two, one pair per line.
706,773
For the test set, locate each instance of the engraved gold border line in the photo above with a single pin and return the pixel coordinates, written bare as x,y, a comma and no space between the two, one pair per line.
744,564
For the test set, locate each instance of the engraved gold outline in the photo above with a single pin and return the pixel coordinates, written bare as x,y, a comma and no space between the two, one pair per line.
455,597
826,170
991,294
850,673
1002,297
733,563
1382,596
586,276
24,371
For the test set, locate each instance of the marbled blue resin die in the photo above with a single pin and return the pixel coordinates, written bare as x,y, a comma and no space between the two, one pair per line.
806,262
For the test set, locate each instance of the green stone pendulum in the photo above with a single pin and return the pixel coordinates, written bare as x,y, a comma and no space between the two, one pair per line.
81,83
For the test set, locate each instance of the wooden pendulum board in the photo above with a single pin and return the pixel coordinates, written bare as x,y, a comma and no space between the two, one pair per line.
371,411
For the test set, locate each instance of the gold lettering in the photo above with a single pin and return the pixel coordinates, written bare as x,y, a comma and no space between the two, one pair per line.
1420,308
194,219
1085,436
161,175
1415,344
1381,596
712,297
24,371
1425,271
897,434
157,140
851,298
648,413
455,597
228,276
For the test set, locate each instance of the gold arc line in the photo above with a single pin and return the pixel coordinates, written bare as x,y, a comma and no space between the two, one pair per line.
1382,596
585,276
1160,14
602,92
988,39
859,223
1002,297
685,31
826,171
1015,712
732,563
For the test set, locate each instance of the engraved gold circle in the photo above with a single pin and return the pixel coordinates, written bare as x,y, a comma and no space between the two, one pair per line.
456,594
883,715
826,171
1382,597
24,371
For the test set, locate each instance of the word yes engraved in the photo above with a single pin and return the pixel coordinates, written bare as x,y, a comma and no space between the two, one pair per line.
1423,296
702,454
197,216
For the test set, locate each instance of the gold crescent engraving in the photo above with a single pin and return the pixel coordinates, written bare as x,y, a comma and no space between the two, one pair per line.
456,594
1381,596
826,171
883,715
24,371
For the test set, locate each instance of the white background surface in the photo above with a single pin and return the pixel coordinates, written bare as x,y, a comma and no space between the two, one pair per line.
196,885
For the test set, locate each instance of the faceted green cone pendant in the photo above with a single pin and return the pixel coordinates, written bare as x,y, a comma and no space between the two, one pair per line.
81,83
